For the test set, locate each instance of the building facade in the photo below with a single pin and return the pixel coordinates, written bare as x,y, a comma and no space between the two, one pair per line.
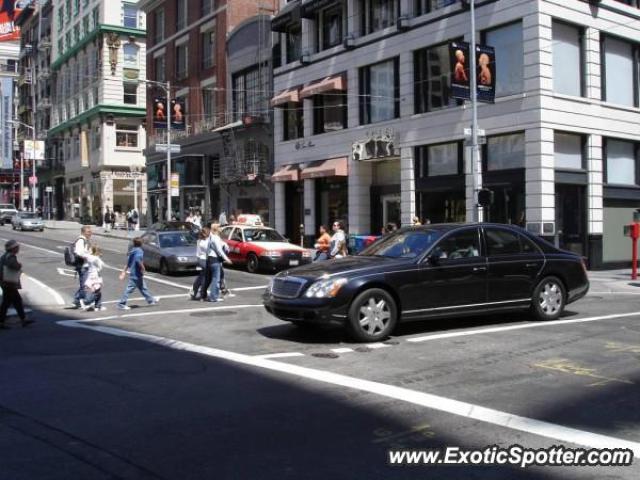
34,100
99,105
9,76
220,164
367,130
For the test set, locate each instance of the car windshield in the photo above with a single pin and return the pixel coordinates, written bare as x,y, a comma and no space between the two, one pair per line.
28,215
404,244
262,235
177,239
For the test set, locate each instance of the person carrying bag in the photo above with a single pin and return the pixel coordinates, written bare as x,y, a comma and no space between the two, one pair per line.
11,271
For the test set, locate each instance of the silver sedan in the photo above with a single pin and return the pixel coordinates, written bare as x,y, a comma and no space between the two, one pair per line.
27,221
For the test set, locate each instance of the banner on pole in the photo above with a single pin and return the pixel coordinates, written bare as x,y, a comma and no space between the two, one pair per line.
159,112
486,73
459,62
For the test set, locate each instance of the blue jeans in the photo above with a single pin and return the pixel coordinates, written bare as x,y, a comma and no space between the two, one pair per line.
93,297
140,285
200,281
215,267
83,273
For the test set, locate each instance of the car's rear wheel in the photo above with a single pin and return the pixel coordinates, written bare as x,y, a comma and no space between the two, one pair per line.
548,299
372,316
164,267
253,264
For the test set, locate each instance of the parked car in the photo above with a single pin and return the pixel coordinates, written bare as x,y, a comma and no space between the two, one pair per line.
262,248
7,211
442,270
27,221
170,251
173,227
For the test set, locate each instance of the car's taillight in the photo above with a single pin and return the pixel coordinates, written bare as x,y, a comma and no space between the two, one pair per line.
584,265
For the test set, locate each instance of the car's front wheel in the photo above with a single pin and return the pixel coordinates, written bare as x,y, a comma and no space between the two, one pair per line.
253,264
548,299
164,267
372,316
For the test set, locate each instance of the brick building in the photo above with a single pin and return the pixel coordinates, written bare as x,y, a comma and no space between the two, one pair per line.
187,46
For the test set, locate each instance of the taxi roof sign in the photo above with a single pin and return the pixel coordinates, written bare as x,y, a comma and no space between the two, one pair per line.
251,220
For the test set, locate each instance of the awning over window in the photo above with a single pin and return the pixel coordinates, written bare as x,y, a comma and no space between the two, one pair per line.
286,173
286,96
329,84
310,7
335,167
288,15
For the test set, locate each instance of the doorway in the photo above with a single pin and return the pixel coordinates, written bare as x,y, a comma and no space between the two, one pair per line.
294,210
391,210
571,217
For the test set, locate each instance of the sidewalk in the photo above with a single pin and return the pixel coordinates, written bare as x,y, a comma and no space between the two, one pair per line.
609,281
97,230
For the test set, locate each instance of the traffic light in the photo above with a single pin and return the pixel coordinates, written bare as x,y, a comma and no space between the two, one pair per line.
485,197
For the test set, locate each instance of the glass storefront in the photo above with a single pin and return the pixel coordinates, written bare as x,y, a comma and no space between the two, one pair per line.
332,200
441,207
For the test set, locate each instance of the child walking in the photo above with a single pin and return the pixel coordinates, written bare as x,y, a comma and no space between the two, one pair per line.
93,284
136,270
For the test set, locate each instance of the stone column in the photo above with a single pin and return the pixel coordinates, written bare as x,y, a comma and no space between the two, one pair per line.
593,80
595,169
309,206
407,186
540,180
279,211
359,181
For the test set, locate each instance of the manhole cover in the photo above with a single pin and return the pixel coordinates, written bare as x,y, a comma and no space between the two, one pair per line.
325,355
222,313
391,342
362,349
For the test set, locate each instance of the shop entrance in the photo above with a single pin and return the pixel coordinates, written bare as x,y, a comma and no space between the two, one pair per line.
508,205
571,218
391,210
442,207
294,211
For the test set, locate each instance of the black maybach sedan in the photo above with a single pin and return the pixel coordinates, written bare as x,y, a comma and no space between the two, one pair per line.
431,271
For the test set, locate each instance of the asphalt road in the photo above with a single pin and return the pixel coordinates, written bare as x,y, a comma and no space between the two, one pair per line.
185,390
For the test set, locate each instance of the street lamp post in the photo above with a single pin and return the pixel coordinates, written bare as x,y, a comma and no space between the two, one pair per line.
135,170
166,86
33,165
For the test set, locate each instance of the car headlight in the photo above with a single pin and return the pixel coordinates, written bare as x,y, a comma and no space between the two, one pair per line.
272,254
270,286
325,288
182,259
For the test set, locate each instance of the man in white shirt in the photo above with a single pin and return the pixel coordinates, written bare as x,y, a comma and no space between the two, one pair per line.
338,245
82,250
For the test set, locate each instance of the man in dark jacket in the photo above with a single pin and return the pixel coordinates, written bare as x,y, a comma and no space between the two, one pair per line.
10,271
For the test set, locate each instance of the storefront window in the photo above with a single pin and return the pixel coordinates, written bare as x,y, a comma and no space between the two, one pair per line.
191,171
505,152
294,44
620,61
507,41
568,151
436,160
330,112
567,59
621,162
293,121
379,92
431,83
333,200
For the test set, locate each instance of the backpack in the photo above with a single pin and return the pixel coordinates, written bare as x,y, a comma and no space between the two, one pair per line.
70,257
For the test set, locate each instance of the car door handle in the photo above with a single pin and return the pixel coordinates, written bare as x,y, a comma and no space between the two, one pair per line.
531,265
479,269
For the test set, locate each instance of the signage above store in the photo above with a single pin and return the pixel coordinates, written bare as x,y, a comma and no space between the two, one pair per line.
379,145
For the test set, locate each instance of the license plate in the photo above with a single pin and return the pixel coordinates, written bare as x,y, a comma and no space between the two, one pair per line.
294,263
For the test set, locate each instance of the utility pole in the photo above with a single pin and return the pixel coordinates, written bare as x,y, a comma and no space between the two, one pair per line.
476,167
168,87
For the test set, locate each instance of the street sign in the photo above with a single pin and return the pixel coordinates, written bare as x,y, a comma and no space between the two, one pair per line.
48,189
162,148
33,180
175,185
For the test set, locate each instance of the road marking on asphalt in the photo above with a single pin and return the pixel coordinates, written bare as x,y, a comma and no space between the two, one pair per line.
479,331
342,350
163,312
65,272
159,297
434,402
244,289
280,355
56,296
567,366
376,346
616,347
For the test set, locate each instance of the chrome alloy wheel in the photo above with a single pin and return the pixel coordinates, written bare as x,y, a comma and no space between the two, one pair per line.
374,316
550,298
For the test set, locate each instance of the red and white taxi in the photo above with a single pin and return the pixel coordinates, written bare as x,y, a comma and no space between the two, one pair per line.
262,248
